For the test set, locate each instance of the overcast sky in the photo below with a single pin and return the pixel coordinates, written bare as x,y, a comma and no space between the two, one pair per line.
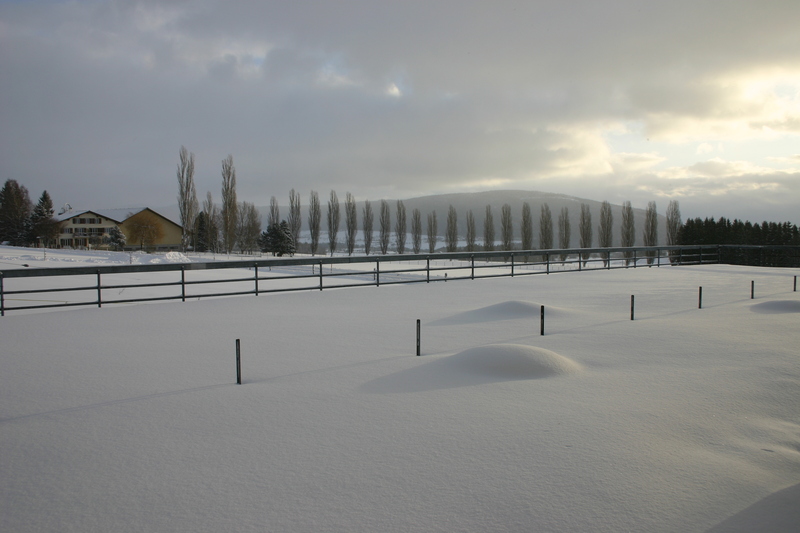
607,100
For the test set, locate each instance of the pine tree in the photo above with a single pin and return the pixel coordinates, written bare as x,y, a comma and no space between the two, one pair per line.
15,211
43,226
116,239
278,239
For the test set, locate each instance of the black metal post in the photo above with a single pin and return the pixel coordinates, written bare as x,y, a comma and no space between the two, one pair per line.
428,270
631,306
183,284
700,298
541,321
99,294
547,258
418,336
472,272
3,296
320,275
752,289
238,364
512,265
1,284
255,277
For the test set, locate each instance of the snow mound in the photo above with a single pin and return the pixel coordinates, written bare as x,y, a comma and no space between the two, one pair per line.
513,361
176,257
502,311
777,306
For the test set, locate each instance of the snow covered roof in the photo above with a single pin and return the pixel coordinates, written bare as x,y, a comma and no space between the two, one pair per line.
118,215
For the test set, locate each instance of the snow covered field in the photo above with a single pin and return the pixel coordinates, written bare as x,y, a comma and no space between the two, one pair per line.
129,418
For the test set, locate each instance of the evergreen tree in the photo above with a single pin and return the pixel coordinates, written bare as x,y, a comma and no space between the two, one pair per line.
15,212
278,239
116,239
43,226
202,232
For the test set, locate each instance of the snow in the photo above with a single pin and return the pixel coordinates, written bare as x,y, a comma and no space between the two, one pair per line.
128,418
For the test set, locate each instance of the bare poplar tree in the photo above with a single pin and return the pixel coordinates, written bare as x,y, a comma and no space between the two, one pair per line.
605,229
526,229
433,232
627,230
451,236
385,225
470,231
350,222
673,227
212,223
314,220
585,227
564,231
295,219
545,228
187,195
367,224
248,227
416,230
333,221
506,228
650,232
229,204
400,228
488,230
274,213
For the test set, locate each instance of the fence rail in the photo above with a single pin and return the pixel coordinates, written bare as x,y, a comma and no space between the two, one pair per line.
96,286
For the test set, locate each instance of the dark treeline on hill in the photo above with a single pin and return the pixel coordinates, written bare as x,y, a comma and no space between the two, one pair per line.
726,231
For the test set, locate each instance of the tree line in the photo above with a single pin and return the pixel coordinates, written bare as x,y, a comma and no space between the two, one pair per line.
234,225
21,222
238,225
726,231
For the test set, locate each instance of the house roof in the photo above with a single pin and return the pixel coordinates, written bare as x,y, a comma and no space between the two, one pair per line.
118,215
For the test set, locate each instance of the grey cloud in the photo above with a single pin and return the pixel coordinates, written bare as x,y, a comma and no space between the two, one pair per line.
109,91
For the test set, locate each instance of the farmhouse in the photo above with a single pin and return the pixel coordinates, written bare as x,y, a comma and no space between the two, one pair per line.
142,227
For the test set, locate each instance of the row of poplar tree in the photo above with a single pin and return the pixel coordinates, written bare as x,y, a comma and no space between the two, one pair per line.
238,225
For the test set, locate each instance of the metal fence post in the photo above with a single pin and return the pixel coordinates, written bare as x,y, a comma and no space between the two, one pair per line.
700,298
320,275
255,277
512,265
541,321
547,258
183,284
99,293
427,270
752,289
238,364
418,336
631,306
3,296
472,271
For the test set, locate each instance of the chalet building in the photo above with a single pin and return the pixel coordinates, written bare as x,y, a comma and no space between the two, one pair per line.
142,227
